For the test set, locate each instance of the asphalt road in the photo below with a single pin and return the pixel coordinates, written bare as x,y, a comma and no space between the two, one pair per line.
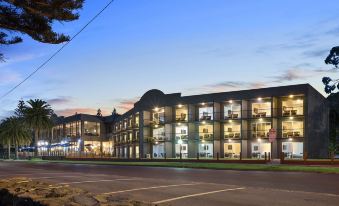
180,186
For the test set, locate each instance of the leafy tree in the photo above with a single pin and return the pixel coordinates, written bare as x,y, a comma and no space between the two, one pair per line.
99,114
38,114
19,111
35,18
14,131
332,58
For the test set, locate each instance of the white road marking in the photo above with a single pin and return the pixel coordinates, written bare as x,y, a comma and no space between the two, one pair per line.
53,177
149,188
93,181
198,194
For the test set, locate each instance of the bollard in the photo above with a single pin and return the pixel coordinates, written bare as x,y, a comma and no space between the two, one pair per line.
180,156
197,155
165,156
217,156
269,156
240,155
265,156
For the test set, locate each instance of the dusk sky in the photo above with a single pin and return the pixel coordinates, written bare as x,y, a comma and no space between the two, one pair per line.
190,46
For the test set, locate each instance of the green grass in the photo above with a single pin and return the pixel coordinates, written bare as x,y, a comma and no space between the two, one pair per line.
217,166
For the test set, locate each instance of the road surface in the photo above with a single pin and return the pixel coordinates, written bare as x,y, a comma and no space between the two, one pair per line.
180,186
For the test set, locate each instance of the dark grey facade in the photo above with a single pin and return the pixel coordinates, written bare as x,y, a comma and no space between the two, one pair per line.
290,120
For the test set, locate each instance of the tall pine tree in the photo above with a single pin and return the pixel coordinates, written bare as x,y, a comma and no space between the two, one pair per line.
35,18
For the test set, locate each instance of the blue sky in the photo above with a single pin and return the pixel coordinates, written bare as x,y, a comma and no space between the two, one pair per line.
191,46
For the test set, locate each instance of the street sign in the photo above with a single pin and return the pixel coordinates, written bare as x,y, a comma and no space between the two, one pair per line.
272,135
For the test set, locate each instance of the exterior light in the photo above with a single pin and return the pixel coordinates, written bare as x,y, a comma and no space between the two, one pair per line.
180,105
156,126
291,117
291,96
259,99
156,109
179,123
230,121
204,122
180,141
229,140
203,141
230,101
156,142
290,139
259,139
260,119
298,100
203,103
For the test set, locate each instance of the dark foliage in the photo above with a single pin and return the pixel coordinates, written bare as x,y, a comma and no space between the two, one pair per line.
35,18
332,58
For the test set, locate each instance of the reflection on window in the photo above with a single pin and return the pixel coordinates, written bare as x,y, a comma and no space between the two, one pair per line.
293,149
159,133
260,129
206,132
293,129
181,132
137,120
232,130
232,111
262,109
206,113
158,116
92,128
181,114
292,107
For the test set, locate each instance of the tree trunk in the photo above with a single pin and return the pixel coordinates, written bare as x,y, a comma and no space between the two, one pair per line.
9,149
36,134
16,151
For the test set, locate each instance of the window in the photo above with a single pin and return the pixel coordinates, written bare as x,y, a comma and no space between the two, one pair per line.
92,128
232,130
181,132
261,109
181,114
292,107
292,129
158,116
206,132
232,110
206,150
260,129
232,150
293,149
206,113
159,133
259,149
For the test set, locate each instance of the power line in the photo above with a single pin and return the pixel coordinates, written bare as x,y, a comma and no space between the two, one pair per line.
57,51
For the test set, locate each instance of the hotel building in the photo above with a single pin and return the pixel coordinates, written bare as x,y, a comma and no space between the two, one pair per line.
248,123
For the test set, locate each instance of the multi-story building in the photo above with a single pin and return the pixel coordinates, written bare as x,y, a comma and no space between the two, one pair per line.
249,123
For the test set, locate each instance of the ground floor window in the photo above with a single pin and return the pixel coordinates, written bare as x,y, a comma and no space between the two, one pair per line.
159,150
181,148
259,149
125,152
137,152
92,146
206,150
293,149
130,152
232,150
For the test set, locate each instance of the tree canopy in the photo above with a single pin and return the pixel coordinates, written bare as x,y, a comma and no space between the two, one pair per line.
332,58
35,18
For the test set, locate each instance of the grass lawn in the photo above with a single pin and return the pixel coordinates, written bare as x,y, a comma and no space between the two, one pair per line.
218,166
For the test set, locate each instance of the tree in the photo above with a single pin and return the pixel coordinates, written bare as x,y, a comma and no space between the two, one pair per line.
35,18
38,114
99,113
15,131
19,111
332,58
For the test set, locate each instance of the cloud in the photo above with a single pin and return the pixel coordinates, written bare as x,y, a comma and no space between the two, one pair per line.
317,53
299,73
82,110
127,104
333,31
59,100
229,86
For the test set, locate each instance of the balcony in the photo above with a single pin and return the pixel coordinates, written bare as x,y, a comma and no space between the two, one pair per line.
232,135
181,117
206,136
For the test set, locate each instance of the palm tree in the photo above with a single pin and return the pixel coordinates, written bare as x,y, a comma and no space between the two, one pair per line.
14,130
37,114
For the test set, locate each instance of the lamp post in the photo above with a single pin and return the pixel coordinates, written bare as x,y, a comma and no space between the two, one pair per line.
180,143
